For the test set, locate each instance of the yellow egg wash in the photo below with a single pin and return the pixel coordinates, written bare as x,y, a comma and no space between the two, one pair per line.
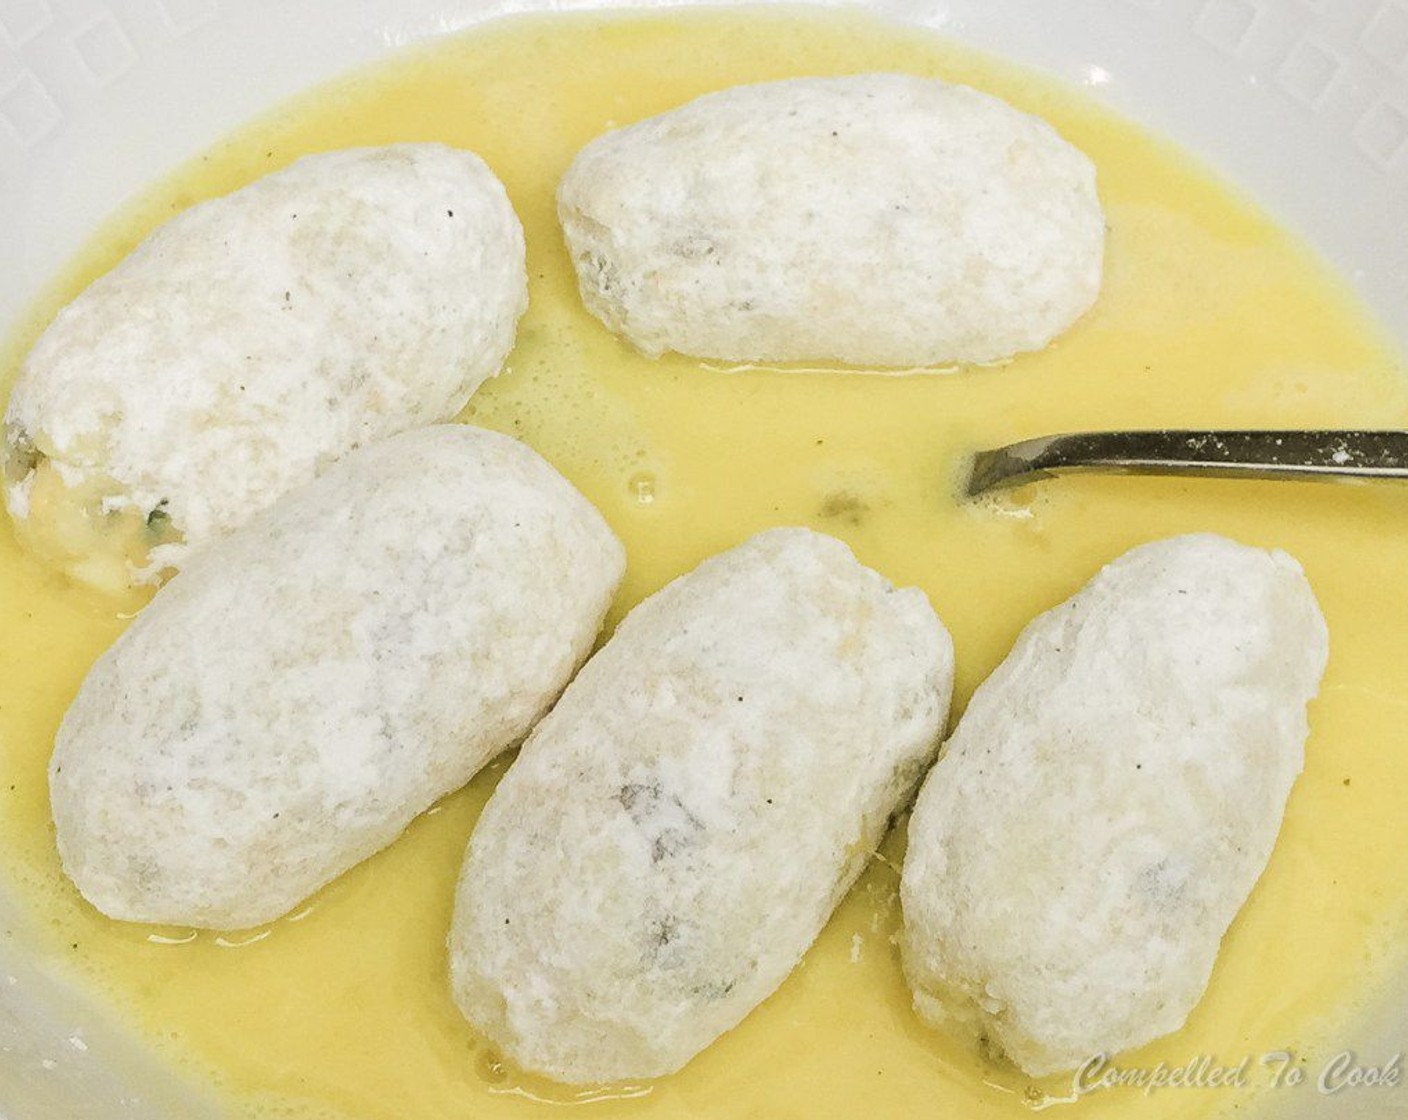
1210,315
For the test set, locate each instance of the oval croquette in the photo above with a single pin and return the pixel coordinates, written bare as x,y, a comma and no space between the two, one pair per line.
291,700
1108,801
251,341
876,220
621,903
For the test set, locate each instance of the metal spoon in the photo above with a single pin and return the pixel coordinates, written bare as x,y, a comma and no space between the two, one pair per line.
1215,454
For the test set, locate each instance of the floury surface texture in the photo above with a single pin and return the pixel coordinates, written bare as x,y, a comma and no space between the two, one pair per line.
251,341
676,832
876,220
1108,801
291,700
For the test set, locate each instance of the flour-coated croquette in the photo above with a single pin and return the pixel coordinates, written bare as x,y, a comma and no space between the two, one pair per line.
305,687
1108,801
252,340
676,832
877,220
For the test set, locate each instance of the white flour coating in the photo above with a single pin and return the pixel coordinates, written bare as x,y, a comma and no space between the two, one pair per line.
287,704
1108,801
679,828
255,338
879,220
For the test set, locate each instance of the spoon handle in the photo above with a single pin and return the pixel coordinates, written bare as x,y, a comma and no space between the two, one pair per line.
1332,453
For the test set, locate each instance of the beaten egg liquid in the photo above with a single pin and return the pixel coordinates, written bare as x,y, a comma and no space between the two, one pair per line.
1210,315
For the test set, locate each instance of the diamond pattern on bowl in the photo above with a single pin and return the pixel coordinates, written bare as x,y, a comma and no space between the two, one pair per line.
1227,24
187,15
22,20
1385,36
28,110
1308,72
104,51
1382,133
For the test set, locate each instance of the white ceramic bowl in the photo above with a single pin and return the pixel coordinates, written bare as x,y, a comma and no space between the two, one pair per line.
1304,102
